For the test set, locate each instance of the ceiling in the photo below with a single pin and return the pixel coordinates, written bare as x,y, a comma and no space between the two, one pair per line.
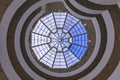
105,16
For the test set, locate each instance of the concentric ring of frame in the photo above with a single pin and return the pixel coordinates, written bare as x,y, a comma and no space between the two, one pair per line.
22,43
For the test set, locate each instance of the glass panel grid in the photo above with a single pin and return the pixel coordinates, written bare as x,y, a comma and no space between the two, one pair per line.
59,19
49,22
59,40
70,58
59,61
41,29
49,58
70,22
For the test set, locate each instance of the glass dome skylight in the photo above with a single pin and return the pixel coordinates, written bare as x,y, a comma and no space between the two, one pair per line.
59,40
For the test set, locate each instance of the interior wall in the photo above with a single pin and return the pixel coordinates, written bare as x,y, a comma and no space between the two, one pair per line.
5,3
105,2
3,6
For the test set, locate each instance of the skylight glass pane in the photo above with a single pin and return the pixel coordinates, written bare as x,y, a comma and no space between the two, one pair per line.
36,51
49,22
70,21
59,61
41,49
37,26
60,33
49,57
77,50
80,40
59,19
41,29
78,29
39,39
70,58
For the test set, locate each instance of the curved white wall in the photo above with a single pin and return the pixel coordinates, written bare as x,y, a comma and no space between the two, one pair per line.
4,58
105,2
115,74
